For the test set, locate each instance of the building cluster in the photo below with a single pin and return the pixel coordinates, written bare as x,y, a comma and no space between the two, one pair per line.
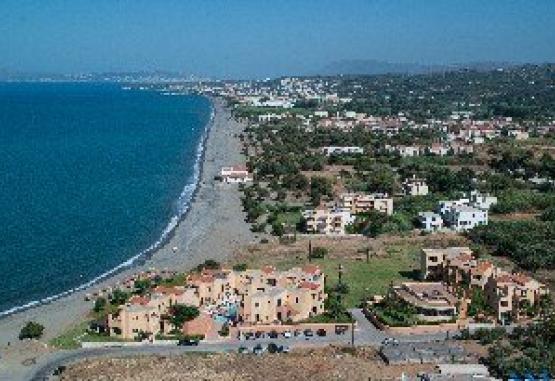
253,296
456,268
335,218
458,215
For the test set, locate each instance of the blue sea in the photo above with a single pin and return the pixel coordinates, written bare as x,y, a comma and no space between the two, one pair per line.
91,176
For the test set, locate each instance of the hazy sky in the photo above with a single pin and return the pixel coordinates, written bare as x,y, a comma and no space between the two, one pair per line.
267,37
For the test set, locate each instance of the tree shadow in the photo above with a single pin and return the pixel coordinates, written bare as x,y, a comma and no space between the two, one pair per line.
412,274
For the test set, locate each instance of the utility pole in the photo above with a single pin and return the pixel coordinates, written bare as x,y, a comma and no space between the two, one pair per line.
352,332
367,255
310,250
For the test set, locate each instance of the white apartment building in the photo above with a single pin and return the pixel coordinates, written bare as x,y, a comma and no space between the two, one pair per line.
464,217
430,221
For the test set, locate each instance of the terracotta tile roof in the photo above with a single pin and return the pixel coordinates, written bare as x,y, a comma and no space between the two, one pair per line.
268,269
309,285
201,325
521,279
311,269
482,267
168,290
139,300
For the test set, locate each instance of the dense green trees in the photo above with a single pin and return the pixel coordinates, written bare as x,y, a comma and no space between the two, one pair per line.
528,243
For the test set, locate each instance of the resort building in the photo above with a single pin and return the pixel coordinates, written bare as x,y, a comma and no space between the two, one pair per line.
269,296
415,187
507,294
363,203
235,174
145,314
329,221
334,150
432,300
264,296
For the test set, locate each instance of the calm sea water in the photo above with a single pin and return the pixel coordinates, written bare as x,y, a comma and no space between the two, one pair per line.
90,175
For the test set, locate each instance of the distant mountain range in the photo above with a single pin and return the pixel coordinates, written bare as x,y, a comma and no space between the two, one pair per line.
373,67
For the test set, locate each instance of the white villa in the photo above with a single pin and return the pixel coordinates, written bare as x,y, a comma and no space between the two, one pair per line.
235,174
415,187
335,150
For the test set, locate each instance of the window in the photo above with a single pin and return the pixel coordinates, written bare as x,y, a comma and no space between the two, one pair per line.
297,300
279,302
256,304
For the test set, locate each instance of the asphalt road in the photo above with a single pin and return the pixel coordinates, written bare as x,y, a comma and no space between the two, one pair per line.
365,334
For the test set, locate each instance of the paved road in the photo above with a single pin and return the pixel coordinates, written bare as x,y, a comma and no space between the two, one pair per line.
365,334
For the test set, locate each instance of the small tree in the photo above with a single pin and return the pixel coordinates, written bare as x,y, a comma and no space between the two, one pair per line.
99,304
319,252
180,313
31,330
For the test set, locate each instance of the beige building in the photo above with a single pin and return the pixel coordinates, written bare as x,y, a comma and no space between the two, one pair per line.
264,296
270,296
363,203
433,300
329,221
145,314
507,294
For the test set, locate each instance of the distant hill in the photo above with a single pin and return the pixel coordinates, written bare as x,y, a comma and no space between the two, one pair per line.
373,67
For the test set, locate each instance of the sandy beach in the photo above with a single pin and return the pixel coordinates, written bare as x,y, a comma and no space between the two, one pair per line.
212,229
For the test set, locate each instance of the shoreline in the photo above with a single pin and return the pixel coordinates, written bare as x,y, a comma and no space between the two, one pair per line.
195,234
146,254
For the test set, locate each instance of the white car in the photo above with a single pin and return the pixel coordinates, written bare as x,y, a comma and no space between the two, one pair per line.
287,334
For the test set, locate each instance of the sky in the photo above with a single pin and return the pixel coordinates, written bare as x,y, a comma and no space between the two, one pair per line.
265,38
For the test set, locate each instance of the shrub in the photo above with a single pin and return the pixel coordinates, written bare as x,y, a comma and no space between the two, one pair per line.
99,304
319,252
31,330
240,267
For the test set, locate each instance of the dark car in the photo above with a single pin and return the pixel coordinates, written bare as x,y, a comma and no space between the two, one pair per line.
308,333
341,329
187,342
321,332
273,335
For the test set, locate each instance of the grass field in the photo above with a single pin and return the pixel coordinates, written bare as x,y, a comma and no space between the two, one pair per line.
72,338
399,263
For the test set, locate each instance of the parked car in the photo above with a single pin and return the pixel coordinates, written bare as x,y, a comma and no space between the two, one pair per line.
243,350
260,335
308,333
273,348
248,336
287,334
258,349
390,341
187,342
284,349
321,332
341,329
273,335
298,333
